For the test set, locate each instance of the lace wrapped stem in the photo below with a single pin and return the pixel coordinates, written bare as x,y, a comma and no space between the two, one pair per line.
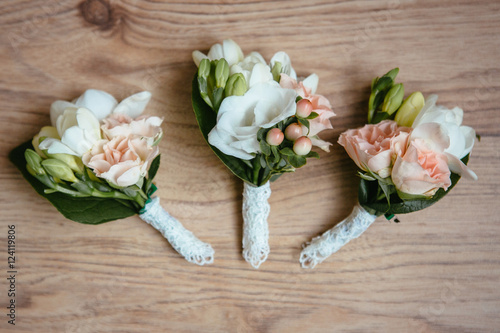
321,247
256,210
181,239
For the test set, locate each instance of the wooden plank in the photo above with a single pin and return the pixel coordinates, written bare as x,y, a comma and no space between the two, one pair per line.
436,271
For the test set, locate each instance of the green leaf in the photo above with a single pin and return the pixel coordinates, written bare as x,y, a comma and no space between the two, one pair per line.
297,161
265,148
366,176
313,115
287,152
304,122
312,154
153,169
88,210
367,196
207,119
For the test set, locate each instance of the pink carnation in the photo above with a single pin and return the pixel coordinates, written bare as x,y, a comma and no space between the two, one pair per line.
122,125
122,161
374,147
421,171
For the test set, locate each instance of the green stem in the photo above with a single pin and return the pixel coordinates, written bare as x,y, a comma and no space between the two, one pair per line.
256,169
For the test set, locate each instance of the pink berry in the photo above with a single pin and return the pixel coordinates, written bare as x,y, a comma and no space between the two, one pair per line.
275,137
302,146
304,108
293,132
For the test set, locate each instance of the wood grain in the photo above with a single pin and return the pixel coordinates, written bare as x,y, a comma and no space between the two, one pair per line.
436,271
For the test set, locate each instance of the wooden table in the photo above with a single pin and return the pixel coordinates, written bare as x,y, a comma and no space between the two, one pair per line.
436,271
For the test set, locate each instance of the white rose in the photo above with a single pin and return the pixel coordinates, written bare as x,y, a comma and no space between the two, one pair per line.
459,139
240,118
229,50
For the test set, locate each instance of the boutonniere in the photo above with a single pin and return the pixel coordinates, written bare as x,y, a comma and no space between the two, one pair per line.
411,153
261,121
97,161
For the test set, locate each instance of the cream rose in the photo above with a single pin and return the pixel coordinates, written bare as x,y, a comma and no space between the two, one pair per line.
123,161
374,147
240,118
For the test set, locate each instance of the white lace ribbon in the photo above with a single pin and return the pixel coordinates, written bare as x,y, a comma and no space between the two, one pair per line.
321,247
181,239
255,228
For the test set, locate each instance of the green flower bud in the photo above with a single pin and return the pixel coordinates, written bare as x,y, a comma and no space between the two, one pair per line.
34,162
221,73
276,71
393,99
204,69
236,85
392,73
410,109
72,161
59,170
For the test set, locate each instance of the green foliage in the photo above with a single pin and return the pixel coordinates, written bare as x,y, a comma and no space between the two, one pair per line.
380,197
88,210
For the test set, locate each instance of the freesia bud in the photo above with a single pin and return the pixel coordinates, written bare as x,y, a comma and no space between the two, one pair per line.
221,73
204,69
59,169
302,146
275,137
293,132
410,109
34,162
393,99
73,162
236,85
45,132
276,71
304,108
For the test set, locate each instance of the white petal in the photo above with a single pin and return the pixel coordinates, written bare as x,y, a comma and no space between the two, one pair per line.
430,102
129,177
66,120
324,145
99,102
223,144
134,105
284,60
260,73
434,136
232,52
74,138
89,123
215,52
55,146
311,82
469,135
458,167
457,140
57,109
198,57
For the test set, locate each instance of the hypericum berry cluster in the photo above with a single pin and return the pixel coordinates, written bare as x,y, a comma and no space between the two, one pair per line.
294,132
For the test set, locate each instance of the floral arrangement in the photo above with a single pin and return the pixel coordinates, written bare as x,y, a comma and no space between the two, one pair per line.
410,154
97,162
261,121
